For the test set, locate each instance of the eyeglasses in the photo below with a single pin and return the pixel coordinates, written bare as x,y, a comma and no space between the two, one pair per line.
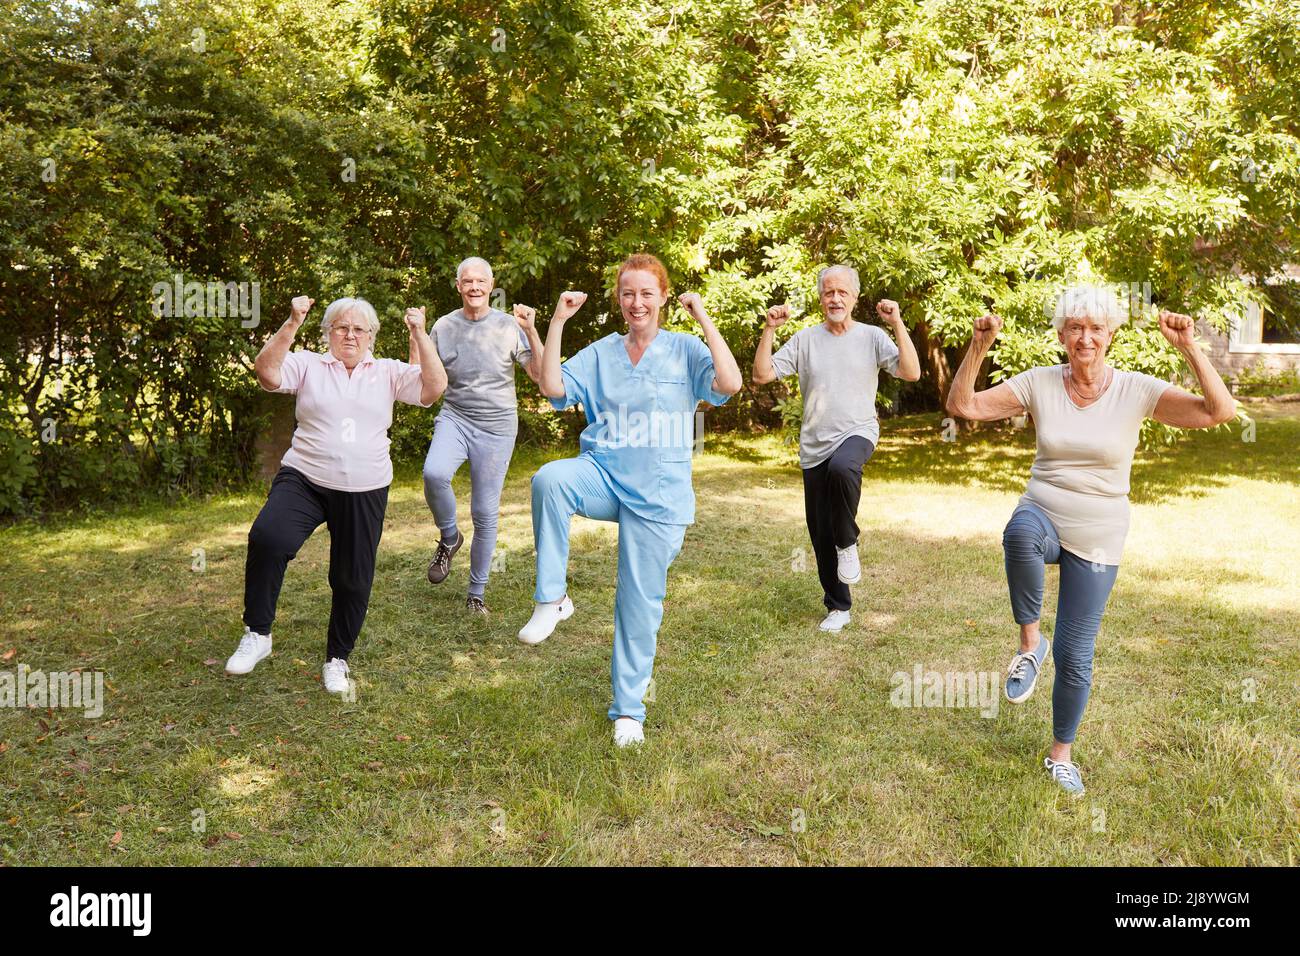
343,330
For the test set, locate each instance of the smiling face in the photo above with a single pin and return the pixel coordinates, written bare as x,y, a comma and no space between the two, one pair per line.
640,297
837,296
349,337
1085,339
474,286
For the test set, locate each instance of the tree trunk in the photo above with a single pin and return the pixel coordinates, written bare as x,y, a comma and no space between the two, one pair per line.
273,442
935,362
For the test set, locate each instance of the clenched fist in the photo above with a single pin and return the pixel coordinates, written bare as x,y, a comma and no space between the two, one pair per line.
887,309
986,330
414,319
299,308
1179,329
693,304
778,315
570,302
526,316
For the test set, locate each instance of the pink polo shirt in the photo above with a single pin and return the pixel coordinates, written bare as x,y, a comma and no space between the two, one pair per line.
341,441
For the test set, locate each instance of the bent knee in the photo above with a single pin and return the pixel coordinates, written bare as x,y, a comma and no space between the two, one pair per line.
549,478
1024,536
437,477
265,537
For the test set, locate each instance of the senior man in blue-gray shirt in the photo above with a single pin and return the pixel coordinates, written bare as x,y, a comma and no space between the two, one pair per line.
478,346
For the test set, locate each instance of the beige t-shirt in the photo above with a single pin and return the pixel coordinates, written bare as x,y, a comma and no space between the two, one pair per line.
1080,476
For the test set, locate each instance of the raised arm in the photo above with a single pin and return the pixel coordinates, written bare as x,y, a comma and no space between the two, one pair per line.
1180,407
268,362
993,403
764,372
909,365
726,373
526,316
433,376
551,383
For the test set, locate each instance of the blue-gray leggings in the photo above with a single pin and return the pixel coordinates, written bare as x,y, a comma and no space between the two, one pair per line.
1029,543
454,442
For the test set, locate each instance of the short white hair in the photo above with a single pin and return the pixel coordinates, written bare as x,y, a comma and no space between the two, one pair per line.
1089,302
473,261
346,306
852,273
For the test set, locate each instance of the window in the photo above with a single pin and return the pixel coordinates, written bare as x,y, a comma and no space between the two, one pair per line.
1274,327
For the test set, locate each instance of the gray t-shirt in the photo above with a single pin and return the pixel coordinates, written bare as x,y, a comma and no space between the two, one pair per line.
480,378
838,375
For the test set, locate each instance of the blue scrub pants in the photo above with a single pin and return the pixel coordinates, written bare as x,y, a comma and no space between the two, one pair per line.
579,485
1029,543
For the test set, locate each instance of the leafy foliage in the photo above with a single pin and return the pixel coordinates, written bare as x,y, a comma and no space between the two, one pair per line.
965,156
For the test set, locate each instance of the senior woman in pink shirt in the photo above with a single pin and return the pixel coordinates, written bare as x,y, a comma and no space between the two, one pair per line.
336,471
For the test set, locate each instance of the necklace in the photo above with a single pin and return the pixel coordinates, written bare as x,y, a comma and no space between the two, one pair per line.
1070,386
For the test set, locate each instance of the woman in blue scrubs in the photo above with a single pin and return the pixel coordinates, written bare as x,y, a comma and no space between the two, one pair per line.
639,391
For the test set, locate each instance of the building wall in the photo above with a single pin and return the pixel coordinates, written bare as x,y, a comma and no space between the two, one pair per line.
1231,359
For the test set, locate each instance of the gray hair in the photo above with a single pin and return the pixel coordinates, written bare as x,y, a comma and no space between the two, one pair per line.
852,273
473,261
346,306
1089,302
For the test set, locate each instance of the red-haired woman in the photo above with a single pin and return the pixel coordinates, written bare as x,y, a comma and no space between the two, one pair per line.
639,391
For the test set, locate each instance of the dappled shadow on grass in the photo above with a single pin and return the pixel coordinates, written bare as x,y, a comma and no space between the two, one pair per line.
1000,457
914,450
739,447
1210,459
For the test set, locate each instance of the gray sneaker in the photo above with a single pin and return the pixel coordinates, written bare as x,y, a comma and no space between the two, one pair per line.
440,566
1023,673
1066,775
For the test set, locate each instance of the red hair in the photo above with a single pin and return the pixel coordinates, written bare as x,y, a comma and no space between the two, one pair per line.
644,261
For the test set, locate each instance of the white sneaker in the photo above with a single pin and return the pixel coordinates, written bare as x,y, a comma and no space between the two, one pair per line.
545,617
628,732
253,647
334,675
849,568
834,621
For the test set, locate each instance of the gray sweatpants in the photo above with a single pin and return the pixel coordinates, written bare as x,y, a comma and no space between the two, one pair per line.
455,441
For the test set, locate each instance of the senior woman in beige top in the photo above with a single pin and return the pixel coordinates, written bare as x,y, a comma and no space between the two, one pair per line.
1075,509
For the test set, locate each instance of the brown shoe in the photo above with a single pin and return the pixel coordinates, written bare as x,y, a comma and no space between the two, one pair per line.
440,566
475,605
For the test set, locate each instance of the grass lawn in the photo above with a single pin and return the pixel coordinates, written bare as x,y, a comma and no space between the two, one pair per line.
767,741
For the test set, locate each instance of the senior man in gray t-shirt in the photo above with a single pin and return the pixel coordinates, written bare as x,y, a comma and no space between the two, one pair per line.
838,363
478,346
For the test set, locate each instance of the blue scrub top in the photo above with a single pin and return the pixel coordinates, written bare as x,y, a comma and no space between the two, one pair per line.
640,419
